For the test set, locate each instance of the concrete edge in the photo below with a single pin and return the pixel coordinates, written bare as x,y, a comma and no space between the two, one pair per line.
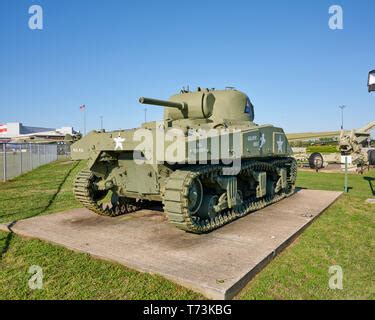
243,281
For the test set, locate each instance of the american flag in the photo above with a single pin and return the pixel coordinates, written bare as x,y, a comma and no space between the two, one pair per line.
82,107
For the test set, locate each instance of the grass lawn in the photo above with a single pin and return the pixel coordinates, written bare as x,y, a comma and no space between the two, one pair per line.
343,235
322,149
41,191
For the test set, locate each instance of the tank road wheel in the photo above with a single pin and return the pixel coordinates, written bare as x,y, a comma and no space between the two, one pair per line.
124,204
316,161
86,192
207,209
195,196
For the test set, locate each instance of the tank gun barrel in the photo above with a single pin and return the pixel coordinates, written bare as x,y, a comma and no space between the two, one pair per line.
163,103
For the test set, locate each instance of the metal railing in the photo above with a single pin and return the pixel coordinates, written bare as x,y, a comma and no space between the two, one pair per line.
18,158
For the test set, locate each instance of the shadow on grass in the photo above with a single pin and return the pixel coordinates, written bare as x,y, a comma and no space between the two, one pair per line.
50,202
10,234
8,240
370,180
298,189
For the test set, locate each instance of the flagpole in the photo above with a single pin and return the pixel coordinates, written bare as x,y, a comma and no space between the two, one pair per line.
84,120
83,109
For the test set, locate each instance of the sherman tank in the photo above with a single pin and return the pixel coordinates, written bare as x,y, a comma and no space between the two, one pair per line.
207,163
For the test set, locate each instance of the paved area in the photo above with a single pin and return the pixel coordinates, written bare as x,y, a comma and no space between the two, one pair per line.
218,264
331,168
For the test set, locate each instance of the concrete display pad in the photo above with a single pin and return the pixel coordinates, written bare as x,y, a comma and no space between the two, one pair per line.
218,264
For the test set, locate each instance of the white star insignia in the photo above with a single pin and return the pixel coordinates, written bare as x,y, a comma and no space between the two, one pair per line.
280,143
262,141
119,142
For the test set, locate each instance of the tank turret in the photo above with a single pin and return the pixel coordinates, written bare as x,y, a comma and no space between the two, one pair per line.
216,105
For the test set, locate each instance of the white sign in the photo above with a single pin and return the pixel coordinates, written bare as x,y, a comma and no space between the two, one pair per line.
371,80
349,159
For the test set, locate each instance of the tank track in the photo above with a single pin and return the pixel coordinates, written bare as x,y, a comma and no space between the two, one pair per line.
177,188
83,192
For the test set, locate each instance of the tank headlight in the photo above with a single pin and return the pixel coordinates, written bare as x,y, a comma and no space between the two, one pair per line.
371,81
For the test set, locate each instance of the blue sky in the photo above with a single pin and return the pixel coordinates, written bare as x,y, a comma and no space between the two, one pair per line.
106,54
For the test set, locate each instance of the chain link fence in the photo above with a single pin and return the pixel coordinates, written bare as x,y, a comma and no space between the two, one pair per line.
63,151
18,158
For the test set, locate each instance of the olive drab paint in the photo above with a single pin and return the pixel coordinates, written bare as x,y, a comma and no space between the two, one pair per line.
207,161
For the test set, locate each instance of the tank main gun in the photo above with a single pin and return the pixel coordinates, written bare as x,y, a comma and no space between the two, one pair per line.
215,106
163,103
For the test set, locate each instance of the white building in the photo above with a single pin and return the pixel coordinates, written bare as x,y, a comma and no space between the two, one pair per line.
16,130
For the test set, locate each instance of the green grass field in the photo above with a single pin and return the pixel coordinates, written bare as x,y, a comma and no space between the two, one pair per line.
322,149
313,135
343,235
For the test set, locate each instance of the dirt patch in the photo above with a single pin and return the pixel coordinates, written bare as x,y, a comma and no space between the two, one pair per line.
88,221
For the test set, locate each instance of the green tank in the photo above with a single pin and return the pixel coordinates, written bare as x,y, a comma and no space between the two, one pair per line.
206,162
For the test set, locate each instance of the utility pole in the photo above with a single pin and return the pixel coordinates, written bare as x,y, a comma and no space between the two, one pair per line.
342,116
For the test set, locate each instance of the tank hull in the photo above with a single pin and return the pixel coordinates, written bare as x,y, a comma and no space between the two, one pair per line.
231,173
